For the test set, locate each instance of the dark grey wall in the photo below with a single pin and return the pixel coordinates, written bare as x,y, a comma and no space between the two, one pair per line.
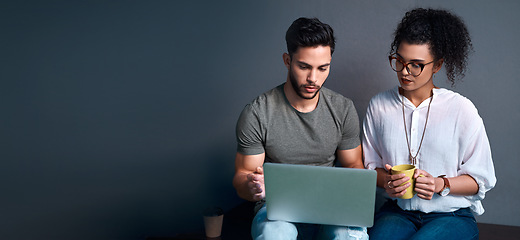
118,116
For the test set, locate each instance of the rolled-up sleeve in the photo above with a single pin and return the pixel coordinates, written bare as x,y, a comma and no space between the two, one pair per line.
477,162
476,159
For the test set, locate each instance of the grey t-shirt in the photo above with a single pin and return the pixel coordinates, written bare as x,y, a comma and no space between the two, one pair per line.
270,124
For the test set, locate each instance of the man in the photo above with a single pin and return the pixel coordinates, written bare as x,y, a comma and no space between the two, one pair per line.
298,122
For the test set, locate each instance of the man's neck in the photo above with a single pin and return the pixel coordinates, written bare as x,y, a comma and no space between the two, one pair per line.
299,103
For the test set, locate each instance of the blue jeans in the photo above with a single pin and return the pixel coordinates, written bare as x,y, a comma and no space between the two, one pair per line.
265,229
391,222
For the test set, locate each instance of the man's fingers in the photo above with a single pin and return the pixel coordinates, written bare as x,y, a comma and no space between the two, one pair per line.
255,187
252,177
257,175
259,196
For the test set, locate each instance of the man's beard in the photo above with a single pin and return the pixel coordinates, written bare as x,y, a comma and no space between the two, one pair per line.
300,89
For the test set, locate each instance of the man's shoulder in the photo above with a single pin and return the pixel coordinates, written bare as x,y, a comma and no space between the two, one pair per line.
270,98
335,98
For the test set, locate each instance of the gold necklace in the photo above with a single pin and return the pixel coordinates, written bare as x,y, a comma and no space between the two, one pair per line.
413,159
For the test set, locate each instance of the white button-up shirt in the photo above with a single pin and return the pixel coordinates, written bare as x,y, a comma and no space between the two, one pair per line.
455,143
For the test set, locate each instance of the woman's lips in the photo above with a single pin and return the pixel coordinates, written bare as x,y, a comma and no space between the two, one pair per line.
405,81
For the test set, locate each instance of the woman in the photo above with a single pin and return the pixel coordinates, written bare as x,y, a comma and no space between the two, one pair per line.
435,129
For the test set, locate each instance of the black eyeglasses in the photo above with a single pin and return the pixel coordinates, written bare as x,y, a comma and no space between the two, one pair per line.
413,68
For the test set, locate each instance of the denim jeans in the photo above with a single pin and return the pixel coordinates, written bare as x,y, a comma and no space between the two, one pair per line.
391,222
265,229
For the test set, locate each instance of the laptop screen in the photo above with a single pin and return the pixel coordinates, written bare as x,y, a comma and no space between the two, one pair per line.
320,195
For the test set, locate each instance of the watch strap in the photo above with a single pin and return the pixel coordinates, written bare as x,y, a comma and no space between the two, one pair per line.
446,183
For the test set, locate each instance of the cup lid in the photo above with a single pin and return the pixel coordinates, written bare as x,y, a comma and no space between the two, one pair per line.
213,211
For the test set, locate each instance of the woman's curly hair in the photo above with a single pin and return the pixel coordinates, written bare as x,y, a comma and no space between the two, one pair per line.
446,34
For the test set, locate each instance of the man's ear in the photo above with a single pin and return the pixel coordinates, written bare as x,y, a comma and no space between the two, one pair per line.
287,60
438,65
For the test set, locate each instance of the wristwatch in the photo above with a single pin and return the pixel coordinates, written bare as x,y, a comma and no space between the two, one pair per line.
446,188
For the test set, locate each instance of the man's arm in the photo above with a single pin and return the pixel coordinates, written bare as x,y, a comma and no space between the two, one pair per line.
350,158
249,176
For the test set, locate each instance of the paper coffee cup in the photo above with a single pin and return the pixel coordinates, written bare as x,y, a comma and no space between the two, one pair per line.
408,170
213,218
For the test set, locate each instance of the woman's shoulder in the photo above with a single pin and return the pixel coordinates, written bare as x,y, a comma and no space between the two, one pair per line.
384,96
457,104
452,98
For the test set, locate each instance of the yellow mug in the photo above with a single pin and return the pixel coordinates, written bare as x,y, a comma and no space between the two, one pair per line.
408,170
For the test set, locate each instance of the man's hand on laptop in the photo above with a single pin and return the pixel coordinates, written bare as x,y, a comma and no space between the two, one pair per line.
256,184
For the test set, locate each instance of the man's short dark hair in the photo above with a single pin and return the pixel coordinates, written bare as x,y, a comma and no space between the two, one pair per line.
309,32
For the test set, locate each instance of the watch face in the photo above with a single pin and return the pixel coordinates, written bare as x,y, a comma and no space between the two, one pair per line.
445,192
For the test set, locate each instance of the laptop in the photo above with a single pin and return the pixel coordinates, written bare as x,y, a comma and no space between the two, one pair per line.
320,195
